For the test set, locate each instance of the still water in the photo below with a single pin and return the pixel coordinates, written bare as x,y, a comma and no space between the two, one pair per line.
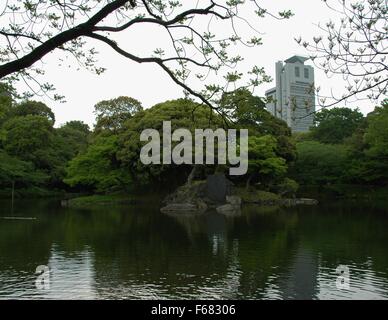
135,252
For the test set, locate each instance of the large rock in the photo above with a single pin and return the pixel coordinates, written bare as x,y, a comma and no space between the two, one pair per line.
218,188
198,196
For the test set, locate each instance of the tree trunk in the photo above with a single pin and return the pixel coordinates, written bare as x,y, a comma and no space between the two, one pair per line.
248,184
13,194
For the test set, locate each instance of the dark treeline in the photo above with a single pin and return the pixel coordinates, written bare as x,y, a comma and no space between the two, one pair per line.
37,158
34,154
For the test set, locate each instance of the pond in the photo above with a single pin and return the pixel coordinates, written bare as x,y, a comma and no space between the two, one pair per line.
136,252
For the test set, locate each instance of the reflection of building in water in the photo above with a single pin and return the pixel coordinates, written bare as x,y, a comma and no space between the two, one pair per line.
301,279
293,98
228,286
216,227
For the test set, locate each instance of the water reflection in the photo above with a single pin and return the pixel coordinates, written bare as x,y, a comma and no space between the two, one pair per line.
137,253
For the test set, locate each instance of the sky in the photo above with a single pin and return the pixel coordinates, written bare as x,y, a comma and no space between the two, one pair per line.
150,85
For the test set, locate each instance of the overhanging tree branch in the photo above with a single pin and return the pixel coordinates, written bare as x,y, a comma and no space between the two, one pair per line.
31,31
59,40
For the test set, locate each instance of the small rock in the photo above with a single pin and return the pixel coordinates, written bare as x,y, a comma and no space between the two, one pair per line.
233,200
229,209
183,208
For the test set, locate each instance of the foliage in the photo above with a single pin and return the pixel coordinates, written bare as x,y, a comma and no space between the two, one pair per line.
34,153
264,164
336,124
359,155
111,114
248,112
267,151
376,151
72,138
287,187
376,135
28,138
319,163
252,195
182,113
35,108
5,106
13,170
98,168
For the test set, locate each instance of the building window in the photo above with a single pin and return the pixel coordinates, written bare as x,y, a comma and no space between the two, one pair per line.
306,73
297,72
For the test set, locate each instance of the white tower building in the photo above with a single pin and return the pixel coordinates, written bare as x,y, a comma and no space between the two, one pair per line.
293,98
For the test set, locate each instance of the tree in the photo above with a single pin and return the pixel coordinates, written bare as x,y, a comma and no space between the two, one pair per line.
28,138
72,138
34,108
248,111
375,166
5,103
320,164
359,158
76,125
376,135
336,124
355,48
68,141
15,171
111,114
182,113
74,26
264,164
98,168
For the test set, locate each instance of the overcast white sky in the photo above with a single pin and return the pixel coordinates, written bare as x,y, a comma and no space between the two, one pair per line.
150,85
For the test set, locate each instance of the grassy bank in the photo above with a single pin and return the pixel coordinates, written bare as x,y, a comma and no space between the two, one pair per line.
256,196
99,200
344,191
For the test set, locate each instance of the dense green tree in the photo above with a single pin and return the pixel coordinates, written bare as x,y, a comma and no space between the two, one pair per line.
5,104
111,114
76,125
336,124
376,135
73,138
13,170
67,142
361,158
248,112
319,163
98,168
376,151
34,108
28,138
264,164
182,113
